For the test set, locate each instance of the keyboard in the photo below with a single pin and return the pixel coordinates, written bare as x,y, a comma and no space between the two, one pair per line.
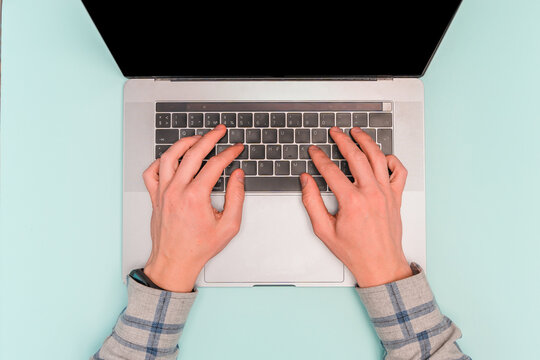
276,135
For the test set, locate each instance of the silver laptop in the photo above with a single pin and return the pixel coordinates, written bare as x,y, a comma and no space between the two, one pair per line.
279,80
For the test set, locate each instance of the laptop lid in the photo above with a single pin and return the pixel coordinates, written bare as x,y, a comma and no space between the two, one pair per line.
279,40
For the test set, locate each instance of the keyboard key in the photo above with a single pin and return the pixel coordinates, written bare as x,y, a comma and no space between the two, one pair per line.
261,120
220,185
245,120
335,153
328,120
249,167
370,132
303,152
163,120
245,153
384,137
266,168
179,120
186,132
269,136
380,119
228,119
359,120
282,167
202,132
294,119
221,148
272,183
231,167
301,136
236,136
167,136
286,136
277,119
225,138
321,183
298,167
253,135
311,120
343,119
326,149
318,136
290,151
256,152
312,169
195,120
273,151
211,120
345,168
160,149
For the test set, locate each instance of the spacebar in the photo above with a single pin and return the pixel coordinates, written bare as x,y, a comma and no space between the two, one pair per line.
274,183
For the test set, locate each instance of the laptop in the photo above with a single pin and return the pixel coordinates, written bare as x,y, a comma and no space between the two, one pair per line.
278,76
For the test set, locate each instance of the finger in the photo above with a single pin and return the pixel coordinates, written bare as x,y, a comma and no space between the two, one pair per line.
399,174
234,202
169,159
357,160
373,153
212,171
336,180
192,160
151,180
321,219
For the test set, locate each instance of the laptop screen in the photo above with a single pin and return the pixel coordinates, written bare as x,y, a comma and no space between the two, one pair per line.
331,39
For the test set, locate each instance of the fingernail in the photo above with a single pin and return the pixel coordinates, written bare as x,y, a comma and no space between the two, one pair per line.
303,180
240,176
356,129
335,128
314,147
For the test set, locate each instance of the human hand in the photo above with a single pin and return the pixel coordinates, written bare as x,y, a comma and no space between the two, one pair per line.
365,233
186,230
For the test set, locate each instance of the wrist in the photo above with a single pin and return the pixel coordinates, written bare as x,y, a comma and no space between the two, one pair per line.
382,274
174,277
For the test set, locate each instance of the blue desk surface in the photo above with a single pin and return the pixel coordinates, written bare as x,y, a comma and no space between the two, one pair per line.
60,191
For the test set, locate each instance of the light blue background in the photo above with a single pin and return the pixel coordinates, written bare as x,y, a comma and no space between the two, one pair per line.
60,193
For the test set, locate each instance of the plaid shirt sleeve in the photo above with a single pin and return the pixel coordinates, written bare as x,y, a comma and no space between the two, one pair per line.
408,321
150,326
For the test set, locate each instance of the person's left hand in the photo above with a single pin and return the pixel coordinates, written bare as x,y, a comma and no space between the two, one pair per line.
186,230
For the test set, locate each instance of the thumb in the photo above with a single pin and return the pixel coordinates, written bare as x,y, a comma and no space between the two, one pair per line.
234,199
321,219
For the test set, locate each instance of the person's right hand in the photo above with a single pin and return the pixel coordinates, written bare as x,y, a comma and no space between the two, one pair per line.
186,229
365,233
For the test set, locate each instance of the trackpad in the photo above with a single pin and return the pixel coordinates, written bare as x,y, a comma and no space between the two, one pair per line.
275,244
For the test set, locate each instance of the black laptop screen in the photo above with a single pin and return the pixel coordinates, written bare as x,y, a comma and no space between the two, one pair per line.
330,39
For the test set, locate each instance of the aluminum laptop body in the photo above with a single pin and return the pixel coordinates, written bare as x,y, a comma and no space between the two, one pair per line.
276,244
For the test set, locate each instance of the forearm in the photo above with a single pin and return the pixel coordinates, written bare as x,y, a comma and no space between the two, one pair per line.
150,325
408,321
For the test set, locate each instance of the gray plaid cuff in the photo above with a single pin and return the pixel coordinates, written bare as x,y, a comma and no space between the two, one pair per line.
150,326
407,318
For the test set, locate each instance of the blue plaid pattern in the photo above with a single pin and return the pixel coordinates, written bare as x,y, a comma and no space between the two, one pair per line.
404,314
411,325
150,327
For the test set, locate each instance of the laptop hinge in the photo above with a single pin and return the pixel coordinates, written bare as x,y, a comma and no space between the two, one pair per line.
378,78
